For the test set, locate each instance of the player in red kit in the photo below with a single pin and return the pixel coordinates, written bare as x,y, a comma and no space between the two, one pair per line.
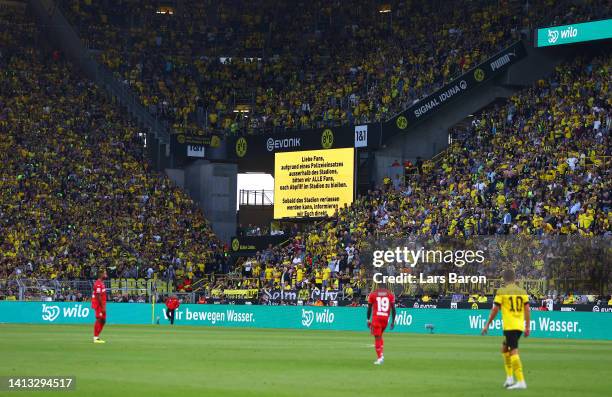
98,303
172,303
381,305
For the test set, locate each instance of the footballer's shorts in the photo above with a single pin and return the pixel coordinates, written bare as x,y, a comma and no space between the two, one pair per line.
100,315
378,325
511,338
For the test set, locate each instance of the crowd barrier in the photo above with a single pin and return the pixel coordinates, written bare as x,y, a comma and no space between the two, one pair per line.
573,325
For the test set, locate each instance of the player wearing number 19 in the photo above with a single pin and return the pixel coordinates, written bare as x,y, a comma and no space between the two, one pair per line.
514,304
98,303
381,304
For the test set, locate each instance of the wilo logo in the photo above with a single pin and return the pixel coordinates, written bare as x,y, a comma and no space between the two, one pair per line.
324,317
553,36
307,317
51,313
569,32
403,318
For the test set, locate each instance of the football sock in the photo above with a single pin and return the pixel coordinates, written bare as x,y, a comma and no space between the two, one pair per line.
378,346
97,329
507,364
517,367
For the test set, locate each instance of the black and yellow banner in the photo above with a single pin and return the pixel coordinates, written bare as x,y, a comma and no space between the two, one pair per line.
130,284
494,66
256,152
251,244
235,293
186,146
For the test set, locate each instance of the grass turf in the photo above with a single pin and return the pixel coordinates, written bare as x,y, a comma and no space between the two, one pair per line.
197,361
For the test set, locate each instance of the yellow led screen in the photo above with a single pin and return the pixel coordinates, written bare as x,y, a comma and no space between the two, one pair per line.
312,183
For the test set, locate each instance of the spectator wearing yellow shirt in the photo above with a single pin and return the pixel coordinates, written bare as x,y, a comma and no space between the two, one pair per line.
326,274
569,300
299,278
269,273
318,277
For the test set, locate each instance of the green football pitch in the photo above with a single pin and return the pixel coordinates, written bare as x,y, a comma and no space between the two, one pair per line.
195,361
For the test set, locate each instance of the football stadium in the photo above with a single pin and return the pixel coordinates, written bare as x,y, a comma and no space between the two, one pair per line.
305,198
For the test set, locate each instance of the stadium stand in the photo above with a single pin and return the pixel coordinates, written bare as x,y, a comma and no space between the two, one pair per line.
441,195
76,191
538,166
238,67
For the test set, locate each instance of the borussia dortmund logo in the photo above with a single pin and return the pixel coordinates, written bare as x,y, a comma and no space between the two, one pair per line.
401,122
181,138
479,75
235,244
241,147
215,141
327,139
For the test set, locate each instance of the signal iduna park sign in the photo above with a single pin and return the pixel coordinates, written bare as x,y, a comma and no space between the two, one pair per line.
576,33
571,325
455,89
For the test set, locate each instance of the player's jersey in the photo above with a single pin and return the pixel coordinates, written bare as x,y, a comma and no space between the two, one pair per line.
512,299
381,300
98,288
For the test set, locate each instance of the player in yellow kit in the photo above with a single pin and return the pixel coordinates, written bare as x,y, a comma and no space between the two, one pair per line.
514,304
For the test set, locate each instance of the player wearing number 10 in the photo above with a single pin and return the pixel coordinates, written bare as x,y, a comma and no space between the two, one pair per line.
514,304
381,304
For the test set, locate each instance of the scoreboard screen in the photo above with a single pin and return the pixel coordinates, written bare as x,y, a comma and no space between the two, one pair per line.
313,183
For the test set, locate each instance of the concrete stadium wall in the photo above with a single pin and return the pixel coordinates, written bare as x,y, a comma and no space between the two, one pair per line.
430,136
213,187
258,215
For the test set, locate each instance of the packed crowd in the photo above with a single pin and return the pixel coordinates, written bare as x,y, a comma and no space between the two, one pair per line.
76,190
240,66
537,170
537,165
